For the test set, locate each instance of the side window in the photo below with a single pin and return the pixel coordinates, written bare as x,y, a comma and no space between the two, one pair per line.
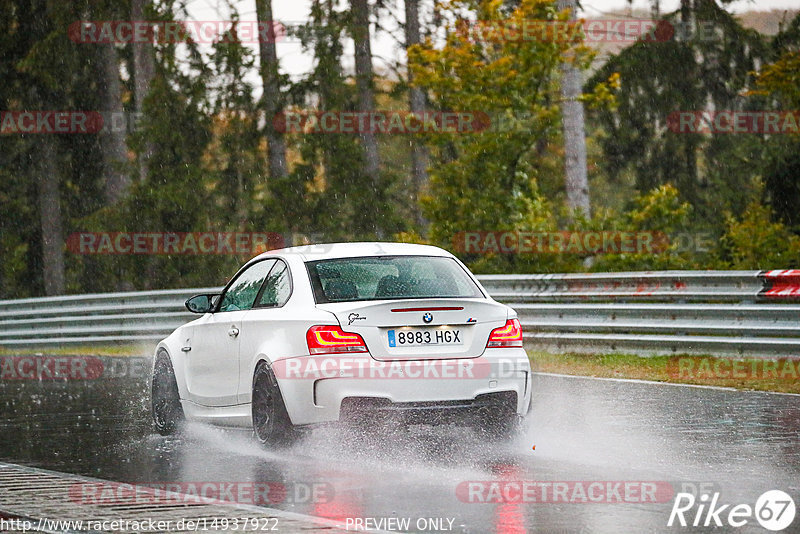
277,288
242,293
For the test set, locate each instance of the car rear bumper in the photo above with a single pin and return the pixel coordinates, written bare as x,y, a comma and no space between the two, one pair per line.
364,409
420,389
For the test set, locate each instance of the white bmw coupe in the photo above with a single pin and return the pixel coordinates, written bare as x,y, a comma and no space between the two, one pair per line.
343,332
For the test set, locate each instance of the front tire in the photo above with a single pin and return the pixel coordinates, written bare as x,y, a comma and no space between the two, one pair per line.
271,422
166,403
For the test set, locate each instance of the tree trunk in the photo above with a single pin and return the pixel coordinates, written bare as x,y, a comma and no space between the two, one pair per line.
419,154
366,98
144,71
112,140
272,98
577,184
50,216
686,12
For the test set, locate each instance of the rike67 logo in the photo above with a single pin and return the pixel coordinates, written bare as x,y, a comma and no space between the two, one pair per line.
774,510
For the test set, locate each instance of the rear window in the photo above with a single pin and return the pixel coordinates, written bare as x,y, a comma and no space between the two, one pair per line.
389,277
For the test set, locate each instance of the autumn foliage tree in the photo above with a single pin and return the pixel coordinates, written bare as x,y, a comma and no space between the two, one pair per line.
485,178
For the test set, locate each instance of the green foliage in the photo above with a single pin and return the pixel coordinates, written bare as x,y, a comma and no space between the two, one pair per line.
780,83
661,214
177,196
710,69
604,94
487,180
328,191
782,186
782,79
754,241
660,209
42,70
235,156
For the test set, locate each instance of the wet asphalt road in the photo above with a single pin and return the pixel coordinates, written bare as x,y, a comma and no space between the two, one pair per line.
739,444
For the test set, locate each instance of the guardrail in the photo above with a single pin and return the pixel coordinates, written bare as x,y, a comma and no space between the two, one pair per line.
719,312
142,316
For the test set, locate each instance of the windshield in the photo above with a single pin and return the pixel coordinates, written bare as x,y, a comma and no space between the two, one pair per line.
389,277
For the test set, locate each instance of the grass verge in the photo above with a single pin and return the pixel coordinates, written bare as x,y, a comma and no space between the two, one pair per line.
89,350
756,374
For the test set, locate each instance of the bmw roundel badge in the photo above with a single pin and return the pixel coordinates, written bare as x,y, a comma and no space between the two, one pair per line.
428,317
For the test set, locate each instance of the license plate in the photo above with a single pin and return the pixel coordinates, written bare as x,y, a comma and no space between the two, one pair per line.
410,337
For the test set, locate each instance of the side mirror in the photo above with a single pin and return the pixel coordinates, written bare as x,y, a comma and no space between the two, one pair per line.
201,303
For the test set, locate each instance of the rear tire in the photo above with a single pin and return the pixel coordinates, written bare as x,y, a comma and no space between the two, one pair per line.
166,403
271,423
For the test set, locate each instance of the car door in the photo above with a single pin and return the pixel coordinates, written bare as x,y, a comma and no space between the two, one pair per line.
212,362
265,322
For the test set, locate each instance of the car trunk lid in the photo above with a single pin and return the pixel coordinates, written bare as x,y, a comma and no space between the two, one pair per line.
421,329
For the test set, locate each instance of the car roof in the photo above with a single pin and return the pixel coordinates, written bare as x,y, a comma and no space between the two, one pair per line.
351,250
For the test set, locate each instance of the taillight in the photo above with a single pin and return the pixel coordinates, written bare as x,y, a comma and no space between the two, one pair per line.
509,335
333,340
